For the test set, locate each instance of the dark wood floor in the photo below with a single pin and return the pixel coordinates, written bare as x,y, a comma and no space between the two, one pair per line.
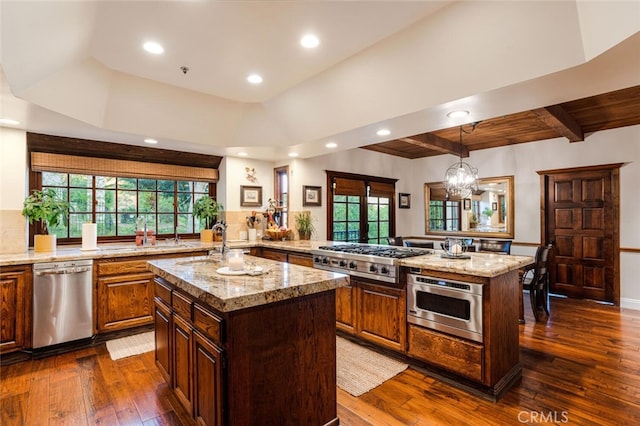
582,366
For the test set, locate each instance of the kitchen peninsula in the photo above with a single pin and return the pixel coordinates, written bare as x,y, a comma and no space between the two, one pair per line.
248,349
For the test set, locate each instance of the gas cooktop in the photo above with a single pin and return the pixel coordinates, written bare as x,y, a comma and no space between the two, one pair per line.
364,260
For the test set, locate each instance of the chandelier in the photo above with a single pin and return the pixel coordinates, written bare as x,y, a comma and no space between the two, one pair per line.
461,179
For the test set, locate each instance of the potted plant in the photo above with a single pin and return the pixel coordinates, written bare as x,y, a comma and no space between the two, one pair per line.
473,221
47,208
207,209
487,212
304,225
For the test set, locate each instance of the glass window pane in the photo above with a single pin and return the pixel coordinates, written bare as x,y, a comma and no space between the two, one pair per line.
126,202
383,231
165,224
81,181
105,182
185,204
126,183
126,224
80,200
373,230
372,212
339,211
165,202
353,199
105,200
353,212
54,179
75,223
147,184
59,231
106,224
339,198
384,212
184,186
146,201
185,224
201,187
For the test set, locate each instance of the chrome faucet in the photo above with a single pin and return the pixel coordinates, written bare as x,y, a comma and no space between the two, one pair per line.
144,226
176,237
223,227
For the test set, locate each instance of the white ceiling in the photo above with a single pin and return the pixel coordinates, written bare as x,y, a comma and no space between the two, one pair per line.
78,69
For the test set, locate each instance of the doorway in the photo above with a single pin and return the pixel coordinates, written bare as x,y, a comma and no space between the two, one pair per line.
580,213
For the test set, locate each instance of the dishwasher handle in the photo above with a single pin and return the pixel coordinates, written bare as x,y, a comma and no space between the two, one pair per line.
63,271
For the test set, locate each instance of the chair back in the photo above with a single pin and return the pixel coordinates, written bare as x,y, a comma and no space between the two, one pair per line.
420,244
394,241
541,266
495,246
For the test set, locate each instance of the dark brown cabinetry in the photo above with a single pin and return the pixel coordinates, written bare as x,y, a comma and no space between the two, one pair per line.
295,258
381,312
15,303
346,309
124,291
207,363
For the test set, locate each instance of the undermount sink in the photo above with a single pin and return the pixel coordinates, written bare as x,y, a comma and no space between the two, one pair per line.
208,260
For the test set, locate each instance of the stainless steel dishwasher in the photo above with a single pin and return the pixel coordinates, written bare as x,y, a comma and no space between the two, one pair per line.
62,302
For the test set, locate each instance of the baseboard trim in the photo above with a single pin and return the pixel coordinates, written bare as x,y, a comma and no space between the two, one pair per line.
630,303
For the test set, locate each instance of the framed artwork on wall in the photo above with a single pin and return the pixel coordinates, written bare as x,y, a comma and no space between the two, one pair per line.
311,196
404,200
250,196
467,204
494,206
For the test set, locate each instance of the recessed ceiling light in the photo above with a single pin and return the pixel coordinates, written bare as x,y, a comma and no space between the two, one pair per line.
9,121
153,47
331,145
309,41
254,79
150,141
458,114
383,132
242,154
293,154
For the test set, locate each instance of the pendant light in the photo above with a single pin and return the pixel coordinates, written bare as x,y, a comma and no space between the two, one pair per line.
461,180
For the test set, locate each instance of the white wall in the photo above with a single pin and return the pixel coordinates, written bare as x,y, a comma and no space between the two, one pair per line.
13,189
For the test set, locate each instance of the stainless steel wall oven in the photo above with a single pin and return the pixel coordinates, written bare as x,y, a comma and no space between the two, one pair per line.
450,306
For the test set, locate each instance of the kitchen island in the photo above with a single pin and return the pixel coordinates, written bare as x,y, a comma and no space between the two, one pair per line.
248,349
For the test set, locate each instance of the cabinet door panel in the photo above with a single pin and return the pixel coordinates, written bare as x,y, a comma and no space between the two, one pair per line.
162,316
345,309
125,301
208,381
382,315
182,375
12,311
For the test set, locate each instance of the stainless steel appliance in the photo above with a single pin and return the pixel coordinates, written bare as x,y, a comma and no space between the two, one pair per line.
450,306
62,302
364,260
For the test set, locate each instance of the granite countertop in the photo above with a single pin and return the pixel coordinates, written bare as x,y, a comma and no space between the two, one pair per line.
279,281
106,251
479,264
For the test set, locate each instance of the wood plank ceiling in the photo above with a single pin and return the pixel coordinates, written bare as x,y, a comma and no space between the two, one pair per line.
574,120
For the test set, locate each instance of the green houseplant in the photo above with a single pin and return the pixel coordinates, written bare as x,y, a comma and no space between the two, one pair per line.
304,225
48,209
207,209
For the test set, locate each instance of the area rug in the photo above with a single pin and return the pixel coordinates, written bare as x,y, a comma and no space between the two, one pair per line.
360,369
131,345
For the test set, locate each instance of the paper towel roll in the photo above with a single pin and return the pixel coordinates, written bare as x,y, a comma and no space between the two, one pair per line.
89,236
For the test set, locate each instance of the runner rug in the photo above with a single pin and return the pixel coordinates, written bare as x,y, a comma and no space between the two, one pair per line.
131,345
360,369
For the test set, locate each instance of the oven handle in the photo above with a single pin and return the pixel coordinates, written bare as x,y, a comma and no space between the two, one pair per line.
442,291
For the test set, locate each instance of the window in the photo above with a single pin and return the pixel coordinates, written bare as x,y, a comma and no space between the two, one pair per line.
444,215
115,203
281,185
361,208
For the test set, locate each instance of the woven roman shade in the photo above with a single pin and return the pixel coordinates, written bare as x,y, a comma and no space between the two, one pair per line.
48,162
381,189
348,187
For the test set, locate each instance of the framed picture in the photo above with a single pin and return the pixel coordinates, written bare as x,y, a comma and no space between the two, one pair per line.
250,196
404,201
494,206
467,203
311,195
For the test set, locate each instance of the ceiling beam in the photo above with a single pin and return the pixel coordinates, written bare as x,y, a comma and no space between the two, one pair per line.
436,143
558,119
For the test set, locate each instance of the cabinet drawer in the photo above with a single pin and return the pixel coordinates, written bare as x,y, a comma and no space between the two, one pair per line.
280,256
181,304
122,267
460,356
300,259
163,292
208,323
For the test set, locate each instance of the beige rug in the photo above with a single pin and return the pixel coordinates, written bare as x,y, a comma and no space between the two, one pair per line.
360,369
131,345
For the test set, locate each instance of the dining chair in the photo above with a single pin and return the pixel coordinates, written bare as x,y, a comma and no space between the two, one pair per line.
536,279
420,244
394,241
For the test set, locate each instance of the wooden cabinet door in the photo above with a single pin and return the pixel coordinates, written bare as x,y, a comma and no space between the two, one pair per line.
382,316
280,256
162,320
12,310
207,364
182,375
346,309
125,301
300,259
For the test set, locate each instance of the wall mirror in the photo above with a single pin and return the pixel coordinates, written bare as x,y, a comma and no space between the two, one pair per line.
488,212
